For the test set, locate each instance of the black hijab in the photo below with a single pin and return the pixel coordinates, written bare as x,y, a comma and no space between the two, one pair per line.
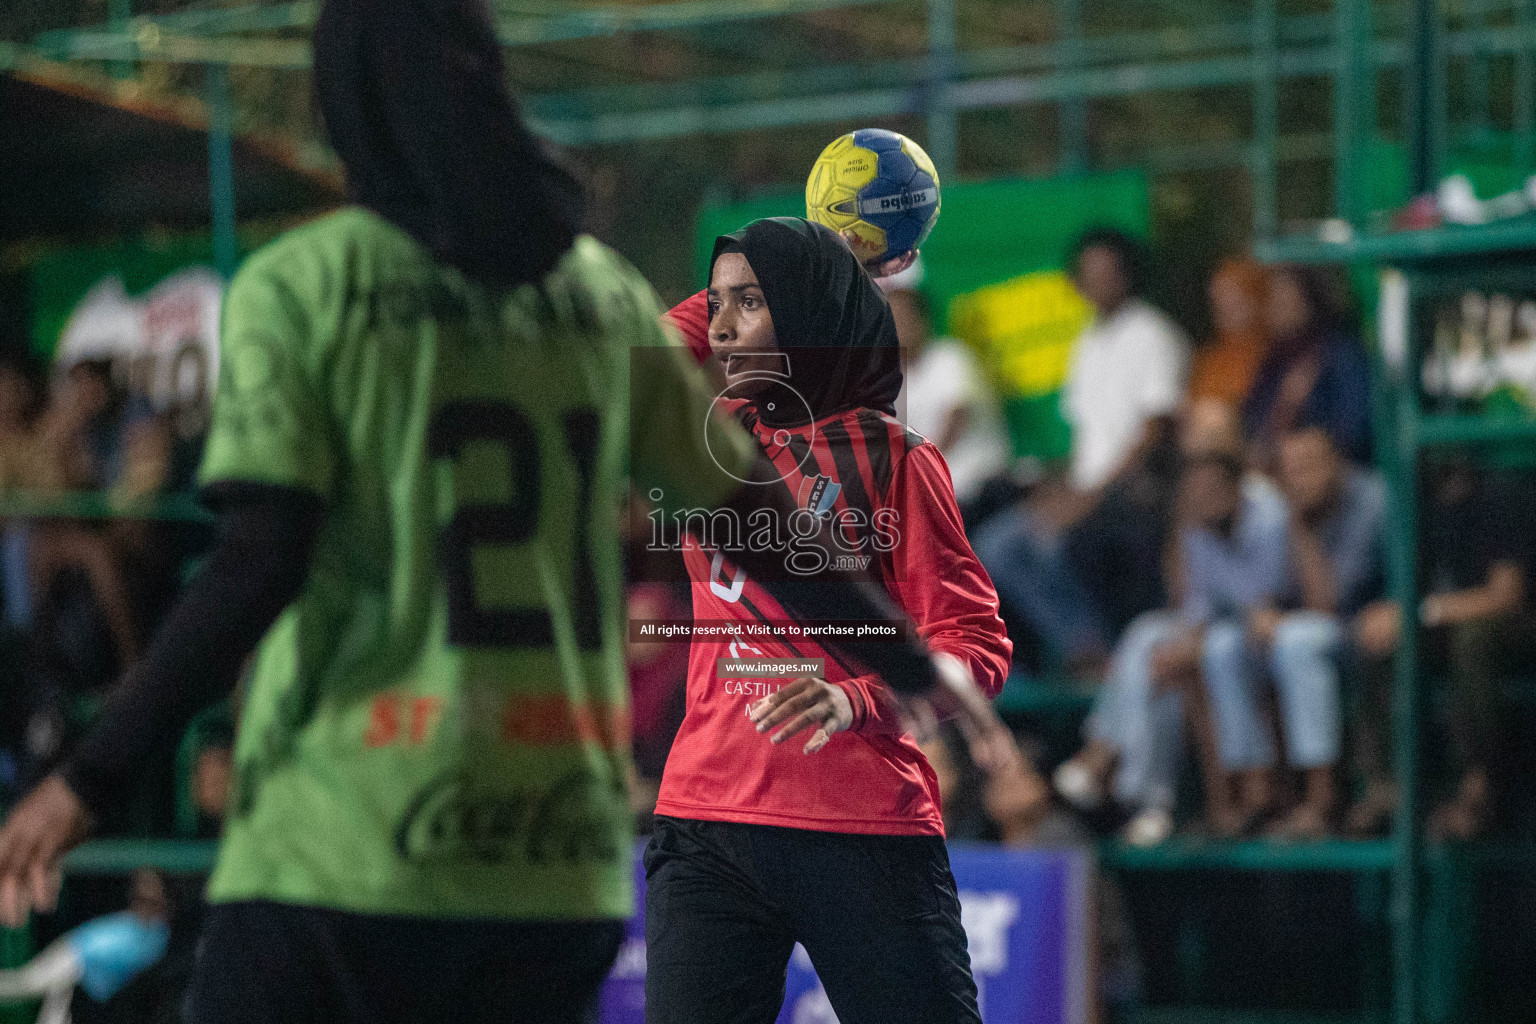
415,102
828,316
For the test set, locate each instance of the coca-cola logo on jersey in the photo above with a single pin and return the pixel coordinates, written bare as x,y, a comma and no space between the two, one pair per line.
458,819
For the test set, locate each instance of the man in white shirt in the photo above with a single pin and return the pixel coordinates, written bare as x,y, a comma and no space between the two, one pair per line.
945,397
1127,376
1082,556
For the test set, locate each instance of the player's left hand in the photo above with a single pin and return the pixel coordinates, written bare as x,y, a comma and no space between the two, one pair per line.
801,704
957,698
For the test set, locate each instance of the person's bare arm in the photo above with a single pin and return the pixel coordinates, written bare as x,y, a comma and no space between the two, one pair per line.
1314,572
1502,594
955,425
1177,658
1378,627
1315,578
1263,621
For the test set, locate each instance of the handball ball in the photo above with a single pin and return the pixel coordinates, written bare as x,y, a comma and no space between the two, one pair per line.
879,189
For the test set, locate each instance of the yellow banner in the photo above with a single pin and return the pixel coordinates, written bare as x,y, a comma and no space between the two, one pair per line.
1022,329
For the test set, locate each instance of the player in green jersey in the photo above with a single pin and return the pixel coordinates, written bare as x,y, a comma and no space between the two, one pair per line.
420,443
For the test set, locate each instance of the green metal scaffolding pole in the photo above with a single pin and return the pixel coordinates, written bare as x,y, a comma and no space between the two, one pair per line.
221,170
943,127
1424,104
1354,103
1266,118
1525,90
1073,111
1477,81
1402,465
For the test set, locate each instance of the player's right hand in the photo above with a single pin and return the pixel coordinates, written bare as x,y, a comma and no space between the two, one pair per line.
958,697
43,827
799,705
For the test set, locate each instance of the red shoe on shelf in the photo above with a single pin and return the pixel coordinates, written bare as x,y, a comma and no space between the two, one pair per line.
1420,214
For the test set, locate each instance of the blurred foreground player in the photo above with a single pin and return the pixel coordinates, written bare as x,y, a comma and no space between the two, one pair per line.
802,809
418,454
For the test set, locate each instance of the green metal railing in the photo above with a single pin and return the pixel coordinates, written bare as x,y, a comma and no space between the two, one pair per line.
24,504
124,856
1352,47
1441,263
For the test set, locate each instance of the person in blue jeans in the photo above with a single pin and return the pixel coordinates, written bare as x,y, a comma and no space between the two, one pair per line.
1232,553
1135,733
1298,643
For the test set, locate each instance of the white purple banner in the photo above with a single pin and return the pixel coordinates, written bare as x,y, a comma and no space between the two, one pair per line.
1026,916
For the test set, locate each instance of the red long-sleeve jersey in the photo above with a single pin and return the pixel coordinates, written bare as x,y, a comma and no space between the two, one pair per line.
692,319
871,778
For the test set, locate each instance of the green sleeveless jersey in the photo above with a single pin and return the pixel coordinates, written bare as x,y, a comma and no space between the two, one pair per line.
437,725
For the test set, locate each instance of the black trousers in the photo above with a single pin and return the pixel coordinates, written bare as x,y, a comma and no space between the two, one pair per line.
879,916
1117,549
272,963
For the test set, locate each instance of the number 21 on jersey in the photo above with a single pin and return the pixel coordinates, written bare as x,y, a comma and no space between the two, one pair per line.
512,522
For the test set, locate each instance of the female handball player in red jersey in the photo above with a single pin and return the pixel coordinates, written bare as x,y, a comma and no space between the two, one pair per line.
834,840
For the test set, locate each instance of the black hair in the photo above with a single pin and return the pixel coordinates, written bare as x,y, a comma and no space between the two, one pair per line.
1131,253
1320,292
96,367
22,363
414,97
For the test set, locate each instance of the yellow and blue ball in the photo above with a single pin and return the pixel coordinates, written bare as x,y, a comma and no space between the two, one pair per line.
879,189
